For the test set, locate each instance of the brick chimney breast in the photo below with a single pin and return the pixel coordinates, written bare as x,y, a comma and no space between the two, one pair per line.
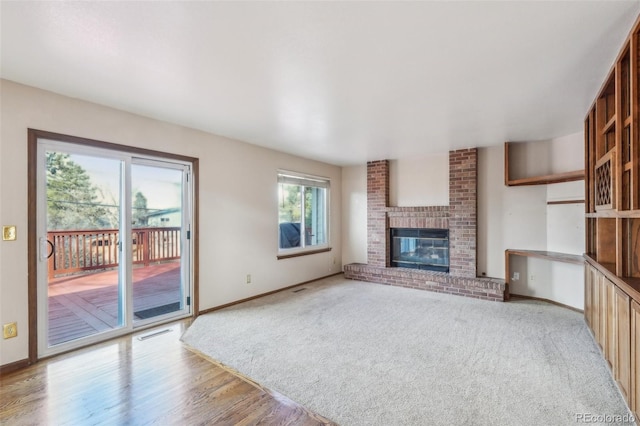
460,217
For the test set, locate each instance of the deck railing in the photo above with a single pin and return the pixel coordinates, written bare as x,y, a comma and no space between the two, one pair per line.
86,250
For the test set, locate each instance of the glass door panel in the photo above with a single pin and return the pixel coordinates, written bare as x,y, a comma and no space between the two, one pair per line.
81,197
160,287
113,243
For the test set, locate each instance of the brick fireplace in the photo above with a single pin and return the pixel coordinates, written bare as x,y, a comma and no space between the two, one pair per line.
459,217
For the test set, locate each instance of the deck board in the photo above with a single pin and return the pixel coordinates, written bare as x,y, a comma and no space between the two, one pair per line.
86,304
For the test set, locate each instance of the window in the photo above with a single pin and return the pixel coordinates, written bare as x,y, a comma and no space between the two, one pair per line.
302,211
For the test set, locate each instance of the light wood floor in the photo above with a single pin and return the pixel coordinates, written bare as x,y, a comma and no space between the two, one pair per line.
137,382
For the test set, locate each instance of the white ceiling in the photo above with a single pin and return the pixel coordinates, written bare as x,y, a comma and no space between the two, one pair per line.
341,82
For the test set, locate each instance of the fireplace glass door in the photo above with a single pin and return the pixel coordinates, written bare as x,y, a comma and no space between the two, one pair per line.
420,249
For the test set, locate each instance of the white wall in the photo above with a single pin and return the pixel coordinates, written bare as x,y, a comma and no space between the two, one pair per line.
508,217
546,279
354,214
238,200
539,158
565,222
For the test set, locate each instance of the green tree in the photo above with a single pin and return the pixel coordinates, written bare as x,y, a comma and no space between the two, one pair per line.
71,196
140,211
290,205
290,210
112,211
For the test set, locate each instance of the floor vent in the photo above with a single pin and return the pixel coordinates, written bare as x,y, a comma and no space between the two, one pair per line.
299,290
155,333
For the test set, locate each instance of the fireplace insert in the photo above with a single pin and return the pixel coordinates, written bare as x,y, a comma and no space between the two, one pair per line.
420,249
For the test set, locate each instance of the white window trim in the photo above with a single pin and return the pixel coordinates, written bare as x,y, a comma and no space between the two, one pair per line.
296,178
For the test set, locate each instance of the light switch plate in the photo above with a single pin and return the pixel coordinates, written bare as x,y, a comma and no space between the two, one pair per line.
9,233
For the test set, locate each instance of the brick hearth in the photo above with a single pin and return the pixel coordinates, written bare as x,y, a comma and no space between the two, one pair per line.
459,217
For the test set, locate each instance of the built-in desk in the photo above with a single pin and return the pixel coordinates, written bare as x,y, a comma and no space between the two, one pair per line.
539,254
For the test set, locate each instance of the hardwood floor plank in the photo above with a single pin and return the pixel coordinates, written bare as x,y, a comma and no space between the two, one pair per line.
153,381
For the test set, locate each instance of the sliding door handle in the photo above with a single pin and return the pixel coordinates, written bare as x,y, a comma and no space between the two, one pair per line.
41,248
45,249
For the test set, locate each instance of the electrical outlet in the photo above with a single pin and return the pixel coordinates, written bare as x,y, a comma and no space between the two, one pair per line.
516,276
10,330
248,278
532,277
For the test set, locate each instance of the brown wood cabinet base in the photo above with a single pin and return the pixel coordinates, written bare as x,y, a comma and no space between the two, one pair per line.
614,319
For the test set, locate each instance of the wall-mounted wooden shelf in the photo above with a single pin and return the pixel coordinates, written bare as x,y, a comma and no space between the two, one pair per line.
558,202
537,180
544,180
629,214
548,255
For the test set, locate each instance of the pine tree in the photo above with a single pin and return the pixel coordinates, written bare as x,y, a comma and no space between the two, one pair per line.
71,196
140,211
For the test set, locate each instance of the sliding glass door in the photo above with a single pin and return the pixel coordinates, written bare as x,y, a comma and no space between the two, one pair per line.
159,205
114,248
83,275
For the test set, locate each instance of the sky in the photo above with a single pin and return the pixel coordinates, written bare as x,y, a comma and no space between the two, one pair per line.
161,186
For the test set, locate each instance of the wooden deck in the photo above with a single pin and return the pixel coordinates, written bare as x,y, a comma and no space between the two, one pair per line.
82,305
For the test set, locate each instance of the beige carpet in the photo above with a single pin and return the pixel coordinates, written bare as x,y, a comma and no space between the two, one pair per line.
368,354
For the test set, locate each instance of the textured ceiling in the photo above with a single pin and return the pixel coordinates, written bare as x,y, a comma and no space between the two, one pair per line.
341,82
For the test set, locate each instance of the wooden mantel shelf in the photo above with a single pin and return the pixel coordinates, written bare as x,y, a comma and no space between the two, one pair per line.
548,255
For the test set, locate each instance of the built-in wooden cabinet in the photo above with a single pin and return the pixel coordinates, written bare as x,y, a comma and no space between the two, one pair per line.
600,313
598,331
622,345
635,358
612,166
612,204
588,295
606,316
614,319
608,295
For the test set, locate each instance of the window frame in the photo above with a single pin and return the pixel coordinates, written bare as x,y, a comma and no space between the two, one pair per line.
297,178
